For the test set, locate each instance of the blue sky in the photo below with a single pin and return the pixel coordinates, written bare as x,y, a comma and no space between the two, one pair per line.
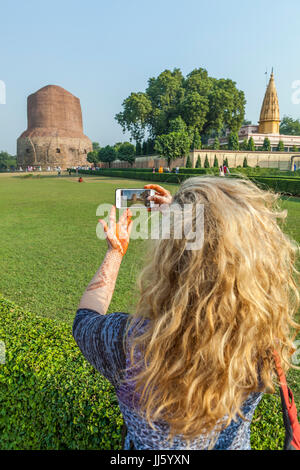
102,50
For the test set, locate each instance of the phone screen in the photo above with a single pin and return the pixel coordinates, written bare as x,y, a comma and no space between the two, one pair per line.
129,197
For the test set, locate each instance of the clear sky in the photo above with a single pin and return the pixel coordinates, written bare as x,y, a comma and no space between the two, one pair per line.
101,51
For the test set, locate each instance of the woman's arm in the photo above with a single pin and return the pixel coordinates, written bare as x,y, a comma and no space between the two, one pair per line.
98,293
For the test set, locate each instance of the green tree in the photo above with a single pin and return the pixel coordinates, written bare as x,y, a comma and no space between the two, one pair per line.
138,148
233,141
280,146
295,148
216,145
244,145
206,162
201,102
196,143
7,161
225,162
251,145
93,157
216,163
177,125
198,162
245,163
96,146
134,118
188,163
266,145
289,126
150,146
107,154
126,152
173,145
144,148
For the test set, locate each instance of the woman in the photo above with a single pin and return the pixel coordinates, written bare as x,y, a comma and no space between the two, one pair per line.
191,365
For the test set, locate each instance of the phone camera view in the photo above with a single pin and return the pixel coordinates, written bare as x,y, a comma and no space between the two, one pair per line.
130,197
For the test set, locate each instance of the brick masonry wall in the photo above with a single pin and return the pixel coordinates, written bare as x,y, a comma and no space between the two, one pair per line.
280,160
42,151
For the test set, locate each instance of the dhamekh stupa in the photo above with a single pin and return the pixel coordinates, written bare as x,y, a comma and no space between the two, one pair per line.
54,135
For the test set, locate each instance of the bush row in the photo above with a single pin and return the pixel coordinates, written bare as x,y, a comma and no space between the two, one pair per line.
50,397
287,185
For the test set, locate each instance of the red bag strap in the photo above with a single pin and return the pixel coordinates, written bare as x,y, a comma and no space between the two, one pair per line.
288,408
282,379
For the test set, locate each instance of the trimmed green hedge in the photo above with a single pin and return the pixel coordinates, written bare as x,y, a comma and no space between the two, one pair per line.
286,185
50,397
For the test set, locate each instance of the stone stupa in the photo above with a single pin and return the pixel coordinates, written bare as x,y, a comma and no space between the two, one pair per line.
54,136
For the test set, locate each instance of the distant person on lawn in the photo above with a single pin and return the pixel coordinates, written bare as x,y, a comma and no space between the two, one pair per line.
192,363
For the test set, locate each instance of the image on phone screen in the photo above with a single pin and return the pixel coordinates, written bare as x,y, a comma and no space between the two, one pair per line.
129,197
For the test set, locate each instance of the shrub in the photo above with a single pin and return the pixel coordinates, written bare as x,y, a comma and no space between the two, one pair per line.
188,163
198,162
50,397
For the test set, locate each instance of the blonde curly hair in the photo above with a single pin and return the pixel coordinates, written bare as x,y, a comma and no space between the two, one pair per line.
217,313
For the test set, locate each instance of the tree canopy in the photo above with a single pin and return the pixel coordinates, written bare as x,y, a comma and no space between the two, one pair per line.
173,145
107,154
172,101
126,152
7,161
289,126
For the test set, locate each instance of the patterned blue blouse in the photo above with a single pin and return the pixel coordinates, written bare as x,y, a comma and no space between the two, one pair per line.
100,339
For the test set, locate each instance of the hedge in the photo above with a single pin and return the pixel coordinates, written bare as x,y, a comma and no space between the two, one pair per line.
51,398
286,185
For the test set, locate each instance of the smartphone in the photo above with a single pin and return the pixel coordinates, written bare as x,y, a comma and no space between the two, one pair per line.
137,197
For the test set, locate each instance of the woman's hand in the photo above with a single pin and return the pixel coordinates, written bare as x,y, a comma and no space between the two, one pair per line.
161,196
118,234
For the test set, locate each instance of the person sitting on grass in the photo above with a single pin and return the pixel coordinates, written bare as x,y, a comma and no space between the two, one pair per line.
192,363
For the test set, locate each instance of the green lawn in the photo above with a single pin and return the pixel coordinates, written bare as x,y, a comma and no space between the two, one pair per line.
49,252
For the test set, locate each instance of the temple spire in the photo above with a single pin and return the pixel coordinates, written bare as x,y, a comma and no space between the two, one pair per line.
269,116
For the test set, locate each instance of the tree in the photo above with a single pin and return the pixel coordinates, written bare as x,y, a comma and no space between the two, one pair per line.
251,145
126,152
280,146
134,118
93,157
196,143
188,163
198,162
295,148
144,148
266,145
138,148
216,145
173,145
7,161
107,154
200,101
233,141
225,162
96,146
244,145
150,147
206,162
245,163
177,125
216,163
289,126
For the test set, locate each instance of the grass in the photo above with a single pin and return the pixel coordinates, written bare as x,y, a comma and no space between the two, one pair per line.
49,252
49,248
